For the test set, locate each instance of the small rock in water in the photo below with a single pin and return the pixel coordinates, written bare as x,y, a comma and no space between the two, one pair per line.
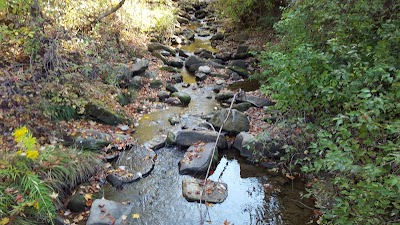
213,192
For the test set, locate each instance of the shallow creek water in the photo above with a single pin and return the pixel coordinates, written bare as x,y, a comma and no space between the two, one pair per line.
255,196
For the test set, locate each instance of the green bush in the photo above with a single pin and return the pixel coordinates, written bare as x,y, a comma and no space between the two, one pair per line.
337,67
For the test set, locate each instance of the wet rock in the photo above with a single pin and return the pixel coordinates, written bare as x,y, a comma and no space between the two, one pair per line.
218,36
183,97
95,140
151,74
162,95
165,53
77,202
161,57
177,78
214,192
192,60
171,88
243,106
171,139
224,96
133,165
139,67
156,143
189,137
183,53
195,67
200,76
204,69
200,14
173,101
197,158
174,120
238,63
156,83
235,76
105,212
217,88
153,46
241,55
241,143
104,115
236,122
220,82
135,82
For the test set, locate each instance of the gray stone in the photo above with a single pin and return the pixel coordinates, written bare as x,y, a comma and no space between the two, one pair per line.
171,88
77,202
183,53
95,140
200,76
136,82
156,83
175,62
177,78
258,101
173,101
197,158
192,60
243,106
156,142
223,56
242,49
217,88
183,97
241,140
181,19
165,53
204,69
170,138
139,67
214,192
161,57
170,69
137,163
218,36
174,120
104,115
224,96
195,67
189,137
162,95
242,72
105,212
235,76
153,46
236,122
220,82
238,63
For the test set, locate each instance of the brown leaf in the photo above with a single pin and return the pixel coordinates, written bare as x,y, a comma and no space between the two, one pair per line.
19,198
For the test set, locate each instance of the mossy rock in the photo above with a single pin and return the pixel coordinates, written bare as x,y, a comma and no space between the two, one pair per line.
183,97
104,115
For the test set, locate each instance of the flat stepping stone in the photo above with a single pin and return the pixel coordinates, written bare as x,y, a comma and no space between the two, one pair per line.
214,192
197,158
189,137
105,212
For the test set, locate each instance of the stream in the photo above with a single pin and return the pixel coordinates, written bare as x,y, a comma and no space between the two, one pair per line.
255,195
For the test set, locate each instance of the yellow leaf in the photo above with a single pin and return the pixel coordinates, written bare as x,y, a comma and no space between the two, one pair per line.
4,221
135,216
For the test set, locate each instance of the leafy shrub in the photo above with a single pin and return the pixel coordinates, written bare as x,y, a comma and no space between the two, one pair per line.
337,68
33,182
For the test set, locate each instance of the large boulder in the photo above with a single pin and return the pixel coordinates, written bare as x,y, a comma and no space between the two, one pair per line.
105,212
236,122
193,60
135,164
104,115
241,143
197,158
210,191
257,101
153,46
189,137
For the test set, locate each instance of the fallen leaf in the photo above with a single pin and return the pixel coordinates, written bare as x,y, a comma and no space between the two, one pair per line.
4,221
135,216
19,198
54,195
88,198
226,222
123,217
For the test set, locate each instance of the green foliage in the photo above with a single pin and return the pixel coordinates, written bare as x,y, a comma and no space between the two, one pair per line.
30,188
337,66
249,12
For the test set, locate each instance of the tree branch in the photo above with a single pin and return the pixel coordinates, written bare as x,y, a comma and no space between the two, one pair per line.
109,12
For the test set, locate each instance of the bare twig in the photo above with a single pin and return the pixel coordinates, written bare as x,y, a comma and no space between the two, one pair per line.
213,152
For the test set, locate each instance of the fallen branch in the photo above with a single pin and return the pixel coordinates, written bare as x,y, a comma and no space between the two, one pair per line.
213,151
